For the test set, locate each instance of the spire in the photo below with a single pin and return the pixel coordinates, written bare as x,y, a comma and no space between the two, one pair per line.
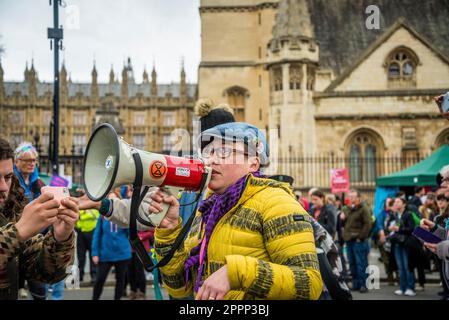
94,69
124,73
293,20
154,81
63,72
32,73
183,80
63,88
145,75
32,82
94,84
111,75
293,36
183,73
26,73
125,78
153,73
32,66
94,72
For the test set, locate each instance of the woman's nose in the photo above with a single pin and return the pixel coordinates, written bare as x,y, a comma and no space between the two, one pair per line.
210,161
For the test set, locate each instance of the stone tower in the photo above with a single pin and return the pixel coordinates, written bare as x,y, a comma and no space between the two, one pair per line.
293,57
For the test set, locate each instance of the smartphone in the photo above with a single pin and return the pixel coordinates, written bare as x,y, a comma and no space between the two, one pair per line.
426,236
445,104
58,192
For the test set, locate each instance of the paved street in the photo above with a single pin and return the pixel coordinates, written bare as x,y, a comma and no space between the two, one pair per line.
108,294
385,292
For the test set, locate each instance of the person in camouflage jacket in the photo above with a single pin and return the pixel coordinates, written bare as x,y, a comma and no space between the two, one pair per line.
43,258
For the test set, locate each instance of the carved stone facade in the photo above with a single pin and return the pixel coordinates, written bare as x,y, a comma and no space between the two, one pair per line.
145,114
328,85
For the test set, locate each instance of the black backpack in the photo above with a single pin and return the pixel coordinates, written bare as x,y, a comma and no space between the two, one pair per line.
330,264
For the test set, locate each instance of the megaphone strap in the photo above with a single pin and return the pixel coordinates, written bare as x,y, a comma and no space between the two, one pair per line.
136,243
138,217
136,199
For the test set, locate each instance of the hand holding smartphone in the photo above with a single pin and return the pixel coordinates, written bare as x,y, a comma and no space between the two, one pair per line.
59,193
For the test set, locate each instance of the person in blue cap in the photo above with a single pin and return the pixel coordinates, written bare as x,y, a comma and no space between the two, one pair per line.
250,238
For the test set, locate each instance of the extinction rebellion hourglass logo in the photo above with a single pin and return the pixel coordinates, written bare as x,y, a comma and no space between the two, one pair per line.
158,169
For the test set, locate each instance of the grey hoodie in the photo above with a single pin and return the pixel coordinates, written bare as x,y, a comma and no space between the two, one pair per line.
443,251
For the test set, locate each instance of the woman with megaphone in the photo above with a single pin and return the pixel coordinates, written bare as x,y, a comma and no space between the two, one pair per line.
250,238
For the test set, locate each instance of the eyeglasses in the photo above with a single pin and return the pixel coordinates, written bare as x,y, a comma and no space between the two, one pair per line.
221,152
442,197
29,161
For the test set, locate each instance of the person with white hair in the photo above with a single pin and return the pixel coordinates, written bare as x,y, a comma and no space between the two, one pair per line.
25,168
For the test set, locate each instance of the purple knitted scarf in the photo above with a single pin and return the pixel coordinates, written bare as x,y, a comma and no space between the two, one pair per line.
213,209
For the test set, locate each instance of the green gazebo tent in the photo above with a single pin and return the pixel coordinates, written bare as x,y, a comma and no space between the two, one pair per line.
421,174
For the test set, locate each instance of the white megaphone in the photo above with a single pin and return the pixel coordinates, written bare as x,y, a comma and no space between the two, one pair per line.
109,163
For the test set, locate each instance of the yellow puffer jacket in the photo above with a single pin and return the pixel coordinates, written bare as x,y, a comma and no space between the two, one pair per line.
266,240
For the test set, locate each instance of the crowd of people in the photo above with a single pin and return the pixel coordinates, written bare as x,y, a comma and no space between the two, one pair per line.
406,259
252,237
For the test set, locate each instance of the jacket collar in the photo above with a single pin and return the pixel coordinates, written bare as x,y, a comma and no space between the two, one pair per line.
33,177
254,185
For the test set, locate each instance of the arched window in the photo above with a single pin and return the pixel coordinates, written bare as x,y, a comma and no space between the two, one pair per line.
295,77
277,79
355,166
442,139
401,67
311,77
363,156
237,97
370,163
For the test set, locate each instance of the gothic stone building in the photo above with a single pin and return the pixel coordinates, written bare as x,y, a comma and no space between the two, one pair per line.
329,86
145,114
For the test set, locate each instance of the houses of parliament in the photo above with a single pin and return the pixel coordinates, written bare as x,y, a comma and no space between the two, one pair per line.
309,70
144,114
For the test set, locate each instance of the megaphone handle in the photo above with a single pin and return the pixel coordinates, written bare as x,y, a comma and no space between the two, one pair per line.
156,218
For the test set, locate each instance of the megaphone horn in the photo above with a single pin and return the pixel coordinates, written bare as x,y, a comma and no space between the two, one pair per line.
109,163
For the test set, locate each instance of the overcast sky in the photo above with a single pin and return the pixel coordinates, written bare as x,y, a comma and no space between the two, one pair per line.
162,31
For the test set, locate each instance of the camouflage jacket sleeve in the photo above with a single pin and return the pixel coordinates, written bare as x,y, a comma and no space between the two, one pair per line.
42,258
9,245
